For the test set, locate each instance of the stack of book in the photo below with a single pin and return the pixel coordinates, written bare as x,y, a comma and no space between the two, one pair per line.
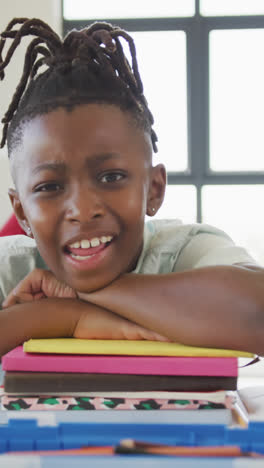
77,374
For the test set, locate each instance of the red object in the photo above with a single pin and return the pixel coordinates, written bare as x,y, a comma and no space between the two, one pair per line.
11,227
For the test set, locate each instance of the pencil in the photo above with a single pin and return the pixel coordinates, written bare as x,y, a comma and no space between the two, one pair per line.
239,416
100,450
137,447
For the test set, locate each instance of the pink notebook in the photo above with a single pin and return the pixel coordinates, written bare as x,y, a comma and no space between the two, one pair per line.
18,360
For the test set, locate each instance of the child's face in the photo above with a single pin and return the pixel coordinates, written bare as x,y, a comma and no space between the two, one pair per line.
84,183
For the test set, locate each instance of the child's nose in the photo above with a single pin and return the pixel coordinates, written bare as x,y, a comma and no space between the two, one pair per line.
83,205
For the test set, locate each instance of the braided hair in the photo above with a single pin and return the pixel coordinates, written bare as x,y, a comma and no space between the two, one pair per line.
88,65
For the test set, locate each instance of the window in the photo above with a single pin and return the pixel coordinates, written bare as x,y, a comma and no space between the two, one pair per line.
159,47
231,7
202,67
83,10
236,71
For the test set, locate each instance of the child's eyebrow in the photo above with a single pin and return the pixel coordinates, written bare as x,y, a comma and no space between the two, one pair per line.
54,166
90,162
97,159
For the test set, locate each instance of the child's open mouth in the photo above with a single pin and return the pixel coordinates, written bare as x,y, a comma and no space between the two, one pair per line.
84,249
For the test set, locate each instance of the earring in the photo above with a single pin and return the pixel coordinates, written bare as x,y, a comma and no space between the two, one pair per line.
151,210
28,230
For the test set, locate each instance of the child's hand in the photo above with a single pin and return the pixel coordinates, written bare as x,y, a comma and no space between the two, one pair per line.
94,323
102,324
37,285
108,325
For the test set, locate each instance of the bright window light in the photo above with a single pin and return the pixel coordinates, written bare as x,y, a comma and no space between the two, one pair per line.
237,209
179,203
83,9
165,88
231,7
236,100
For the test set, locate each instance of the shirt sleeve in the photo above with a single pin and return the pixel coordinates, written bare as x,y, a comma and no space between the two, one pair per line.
18,256
209,249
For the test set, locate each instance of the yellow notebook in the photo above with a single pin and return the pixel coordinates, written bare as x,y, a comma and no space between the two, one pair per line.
124,347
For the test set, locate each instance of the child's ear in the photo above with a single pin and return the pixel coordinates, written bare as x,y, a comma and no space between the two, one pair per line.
156,189
19,211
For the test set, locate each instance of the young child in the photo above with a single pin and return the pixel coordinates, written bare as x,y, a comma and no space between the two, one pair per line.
80,142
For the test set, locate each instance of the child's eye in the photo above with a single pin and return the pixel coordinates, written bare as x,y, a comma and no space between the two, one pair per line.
48,187
111,177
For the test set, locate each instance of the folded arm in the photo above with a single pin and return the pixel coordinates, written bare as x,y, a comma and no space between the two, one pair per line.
42,307
215,306
45,318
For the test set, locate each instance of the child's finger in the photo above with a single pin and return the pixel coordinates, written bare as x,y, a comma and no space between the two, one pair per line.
150,335
13,299
9,301
20,298
54,288
159,337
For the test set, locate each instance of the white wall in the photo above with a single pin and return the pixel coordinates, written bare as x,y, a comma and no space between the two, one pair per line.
50,12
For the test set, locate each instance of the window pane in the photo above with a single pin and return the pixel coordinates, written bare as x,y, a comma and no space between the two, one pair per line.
179,203
83,9
231,7
237,210
236,100
165,88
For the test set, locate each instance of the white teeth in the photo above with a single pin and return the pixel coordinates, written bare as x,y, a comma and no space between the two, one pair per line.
75,245
95,242
78,257
85,244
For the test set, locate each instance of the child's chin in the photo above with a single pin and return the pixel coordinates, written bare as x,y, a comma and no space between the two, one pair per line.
94,286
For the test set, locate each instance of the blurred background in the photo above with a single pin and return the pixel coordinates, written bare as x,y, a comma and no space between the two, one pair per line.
203,70
202,65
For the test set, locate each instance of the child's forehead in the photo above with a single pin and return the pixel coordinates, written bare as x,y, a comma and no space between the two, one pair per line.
90,117
90,129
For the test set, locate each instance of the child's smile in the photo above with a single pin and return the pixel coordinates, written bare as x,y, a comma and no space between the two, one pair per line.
85,254
84,179
85,249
